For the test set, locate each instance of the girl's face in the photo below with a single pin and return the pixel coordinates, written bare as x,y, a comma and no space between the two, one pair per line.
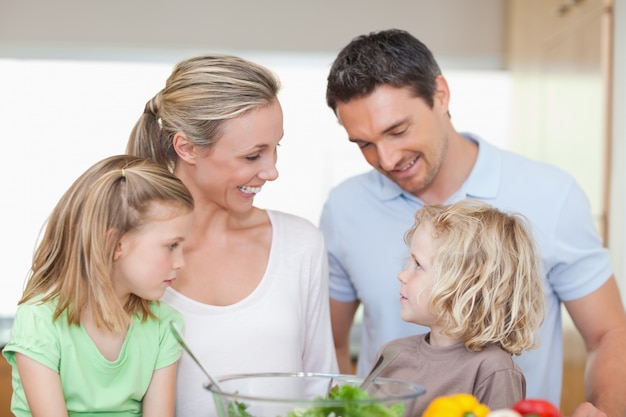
417,278
146,260
235,168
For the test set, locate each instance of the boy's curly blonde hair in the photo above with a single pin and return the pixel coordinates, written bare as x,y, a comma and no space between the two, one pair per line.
487,286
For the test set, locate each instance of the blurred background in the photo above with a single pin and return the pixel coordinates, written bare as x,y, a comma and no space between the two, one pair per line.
545,78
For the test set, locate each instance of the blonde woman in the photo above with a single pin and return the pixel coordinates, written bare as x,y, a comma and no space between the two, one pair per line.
473,278
254,291
90,336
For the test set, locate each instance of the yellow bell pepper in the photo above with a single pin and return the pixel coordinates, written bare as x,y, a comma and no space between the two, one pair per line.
457,405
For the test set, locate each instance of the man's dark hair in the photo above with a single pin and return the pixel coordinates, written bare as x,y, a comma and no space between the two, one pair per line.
393,57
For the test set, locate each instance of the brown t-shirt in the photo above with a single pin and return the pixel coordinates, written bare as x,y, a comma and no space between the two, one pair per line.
490,375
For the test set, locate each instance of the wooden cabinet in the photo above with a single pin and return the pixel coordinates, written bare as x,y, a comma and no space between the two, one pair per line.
5,387
559,56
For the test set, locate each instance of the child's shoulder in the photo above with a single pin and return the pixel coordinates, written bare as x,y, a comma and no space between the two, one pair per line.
408,342
493,359
163,310
37,308
165,313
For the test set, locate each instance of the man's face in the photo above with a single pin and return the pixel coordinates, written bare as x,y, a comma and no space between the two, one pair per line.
399,134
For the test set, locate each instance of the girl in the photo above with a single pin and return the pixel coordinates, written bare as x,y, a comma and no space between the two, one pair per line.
88,336
254,290
473,278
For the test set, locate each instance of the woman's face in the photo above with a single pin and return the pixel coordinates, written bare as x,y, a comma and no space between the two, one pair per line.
237,166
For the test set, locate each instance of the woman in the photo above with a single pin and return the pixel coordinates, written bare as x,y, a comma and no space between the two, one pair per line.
254,290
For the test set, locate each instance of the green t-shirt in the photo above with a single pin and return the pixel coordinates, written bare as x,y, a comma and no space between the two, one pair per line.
92,385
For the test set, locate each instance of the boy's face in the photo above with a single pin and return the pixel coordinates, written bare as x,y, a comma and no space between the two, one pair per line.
417,278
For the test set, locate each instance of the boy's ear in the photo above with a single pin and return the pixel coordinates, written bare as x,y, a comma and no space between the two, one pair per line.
184,148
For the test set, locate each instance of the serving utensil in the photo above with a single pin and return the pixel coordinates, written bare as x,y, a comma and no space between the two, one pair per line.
182,342
388,354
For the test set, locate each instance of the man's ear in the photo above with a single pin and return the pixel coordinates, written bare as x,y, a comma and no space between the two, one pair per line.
441,98
184,148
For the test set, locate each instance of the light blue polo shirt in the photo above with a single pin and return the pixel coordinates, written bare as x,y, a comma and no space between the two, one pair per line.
366,216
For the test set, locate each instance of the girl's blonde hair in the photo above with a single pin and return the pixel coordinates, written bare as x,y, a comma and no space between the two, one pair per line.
488,286
200,94
73,261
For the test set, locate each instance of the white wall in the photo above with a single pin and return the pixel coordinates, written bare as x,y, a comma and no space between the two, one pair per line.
470,33
60,117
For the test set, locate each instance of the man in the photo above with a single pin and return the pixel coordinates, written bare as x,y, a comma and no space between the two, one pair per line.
388,92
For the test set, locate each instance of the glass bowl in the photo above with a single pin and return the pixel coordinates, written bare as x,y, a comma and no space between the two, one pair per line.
306,395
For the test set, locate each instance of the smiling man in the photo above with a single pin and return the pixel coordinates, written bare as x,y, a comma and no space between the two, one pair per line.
388,92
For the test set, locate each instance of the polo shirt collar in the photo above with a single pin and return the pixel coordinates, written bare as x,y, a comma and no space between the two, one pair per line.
388,190
482,183
484,179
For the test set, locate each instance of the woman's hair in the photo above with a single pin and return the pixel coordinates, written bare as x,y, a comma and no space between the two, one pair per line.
391,57
199,95
74,260
487,287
